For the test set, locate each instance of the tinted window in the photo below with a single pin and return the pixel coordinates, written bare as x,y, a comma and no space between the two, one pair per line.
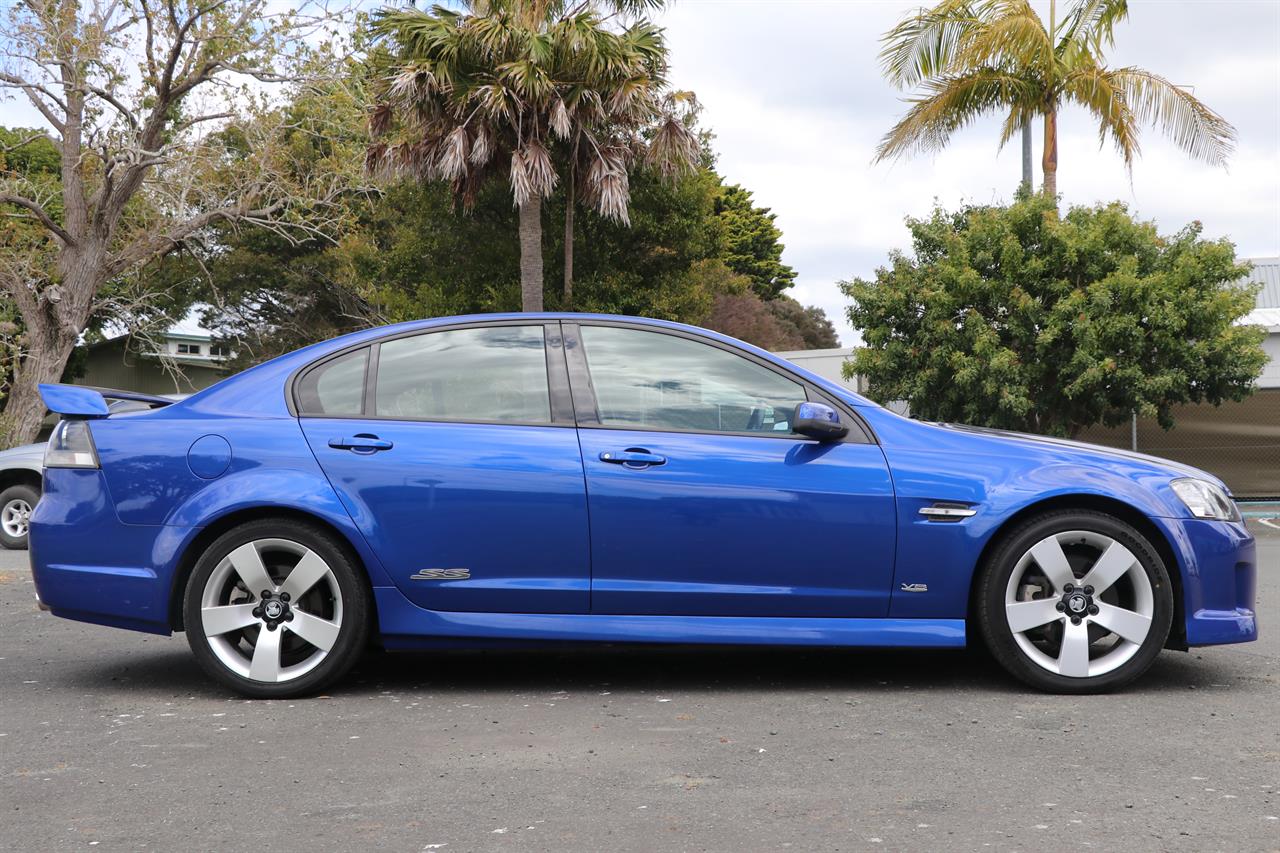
495,374
651,380
335,387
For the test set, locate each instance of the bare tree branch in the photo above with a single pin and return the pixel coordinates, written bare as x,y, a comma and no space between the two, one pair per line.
30,139
39,213
33,93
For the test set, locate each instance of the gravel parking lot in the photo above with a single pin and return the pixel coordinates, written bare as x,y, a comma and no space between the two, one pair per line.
113,740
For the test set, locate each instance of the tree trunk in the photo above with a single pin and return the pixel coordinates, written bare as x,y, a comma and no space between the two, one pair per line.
1028,176
53,326
531,254
569,204
45,360
1049,160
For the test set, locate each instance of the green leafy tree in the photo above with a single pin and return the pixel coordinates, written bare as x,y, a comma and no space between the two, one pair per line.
809,323
529,90
753,244
974,57
1010,317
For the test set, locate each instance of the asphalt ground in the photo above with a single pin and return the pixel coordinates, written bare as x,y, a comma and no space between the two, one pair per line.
114,740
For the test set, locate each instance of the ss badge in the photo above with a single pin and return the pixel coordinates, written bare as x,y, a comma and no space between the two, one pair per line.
440,574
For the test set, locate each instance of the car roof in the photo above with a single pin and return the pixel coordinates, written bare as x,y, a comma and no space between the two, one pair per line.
259,391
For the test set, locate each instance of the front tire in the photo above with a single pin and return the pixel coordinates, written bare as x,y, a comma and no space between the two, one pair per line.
1075,601
16,504
276,609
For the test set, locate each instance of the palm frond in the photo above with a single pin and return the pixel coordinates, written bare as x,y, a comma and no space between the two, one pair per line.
452,164
1095,90
1020,114
1091,24
559,121
1012,34
924,44
482,147
1192,125
532,173
608,187
951,102
674,149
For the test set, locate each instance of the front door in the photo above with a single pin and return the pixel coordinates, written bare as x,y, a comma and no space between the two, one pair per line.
459,462
701,500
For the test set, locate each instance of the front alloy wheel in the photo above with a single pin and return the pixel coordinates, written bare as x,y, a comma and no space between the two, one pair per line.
276,615
1076,602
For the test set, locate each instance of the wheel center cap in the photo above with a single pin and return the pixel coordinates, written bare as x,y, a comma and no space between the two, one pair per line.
273,609
1077,603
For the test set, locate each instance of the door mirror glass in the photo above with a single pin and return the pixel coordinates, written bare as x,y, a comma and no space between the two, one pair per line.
818,420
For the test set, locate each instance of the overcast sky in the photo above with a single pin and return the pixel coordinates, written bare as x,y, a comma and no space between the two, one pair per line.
792,90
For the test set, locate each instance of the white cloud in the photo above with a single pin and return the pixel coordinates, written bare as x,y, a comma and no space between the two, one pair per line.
794,95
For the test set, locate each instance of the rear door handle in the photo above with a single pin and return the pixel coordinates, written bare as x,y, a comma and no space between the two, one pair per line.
361,444
632,457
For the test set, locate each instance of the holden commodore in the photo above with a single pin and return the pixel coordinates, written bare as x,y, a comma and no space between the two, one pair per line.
572,477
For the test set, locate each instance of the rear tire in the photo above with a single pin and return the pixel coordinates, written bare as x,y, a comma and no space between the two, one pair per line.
1075,601
16,504
276,609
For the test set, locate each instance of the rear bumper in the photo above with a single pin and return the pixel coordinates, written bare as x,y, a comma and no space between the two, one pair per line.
1219,580
128,579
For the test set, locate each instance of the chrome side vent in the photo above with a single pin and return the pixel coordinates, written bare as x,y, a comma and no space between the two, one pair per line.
947,511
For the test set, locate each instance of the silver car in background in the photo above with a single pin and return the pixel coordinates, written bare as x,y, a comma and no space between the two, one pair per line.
20,479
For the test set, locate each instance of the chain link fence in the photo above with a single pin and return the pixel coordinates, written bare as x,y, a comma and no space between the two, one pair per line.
1239,442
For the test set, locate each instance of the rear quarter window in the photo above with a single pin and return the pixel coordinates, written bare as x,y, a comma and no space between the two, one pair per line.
334,387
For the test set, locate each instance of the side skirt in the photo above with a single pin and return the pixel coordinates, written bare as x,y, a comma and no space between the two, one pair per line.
404,624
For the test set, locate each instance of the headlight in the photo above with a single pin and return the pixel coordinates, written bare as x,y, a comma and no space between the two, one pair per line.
1206,500
71,446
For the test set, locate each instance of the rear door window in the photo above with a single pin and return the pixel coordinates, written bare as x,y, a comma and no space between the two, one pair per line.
496,374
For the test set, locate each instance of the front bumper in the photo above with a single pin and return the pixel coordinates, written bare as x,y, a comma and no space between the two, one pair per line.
1219,580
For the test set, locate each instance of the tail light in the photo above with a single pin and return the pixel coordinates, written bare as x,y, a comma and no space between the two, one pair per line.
71,446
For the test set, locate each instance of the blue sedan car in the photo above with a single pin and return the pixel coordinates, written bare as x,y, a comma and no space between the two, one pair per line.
572,477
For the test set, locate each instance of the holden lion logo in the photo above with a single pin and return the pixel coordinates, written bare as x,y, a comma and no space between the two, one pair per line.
440,574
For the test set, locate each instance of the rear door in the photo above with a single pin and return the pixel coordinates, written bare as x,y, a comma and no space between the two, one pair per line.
701,500
454,451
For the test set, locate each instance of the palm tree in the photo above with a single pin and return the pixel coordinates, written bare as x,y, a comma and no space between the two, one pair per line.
973,57
522,86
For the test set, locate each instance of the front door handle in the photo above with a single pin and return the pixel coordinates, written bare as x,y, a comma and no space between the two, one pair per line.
632,457
361,443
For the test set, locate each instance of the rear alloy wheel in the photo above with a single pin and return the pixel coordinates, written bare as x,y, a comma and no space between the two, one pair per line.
1076,602
16,504
275,609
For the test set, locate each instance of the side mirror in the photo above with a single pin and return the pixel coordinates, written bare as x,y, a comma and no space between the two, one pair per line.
818,420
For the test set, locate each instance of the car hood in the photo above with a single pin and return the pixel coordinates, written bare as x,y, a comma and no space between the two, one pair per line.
1175,469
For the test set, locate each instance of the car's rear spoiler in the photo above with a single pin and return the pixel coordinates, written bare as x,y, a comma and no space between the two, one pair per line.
82,401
